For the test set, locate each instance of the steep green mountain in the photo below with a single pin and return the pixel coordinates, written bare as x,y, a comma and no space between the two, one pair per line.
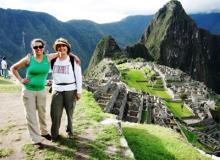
106,48
173,39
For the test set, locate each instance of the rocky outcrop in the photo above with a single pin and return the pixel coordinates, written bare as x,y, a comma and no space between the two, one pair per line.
105,68
106,48
173,39
138,50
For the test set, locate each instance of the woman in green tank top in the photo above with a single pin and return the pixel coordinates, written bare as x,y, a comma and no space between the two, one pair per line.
33,93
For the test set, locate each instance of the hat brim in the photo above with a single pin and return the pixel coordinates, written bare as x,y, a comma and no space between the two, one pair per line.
55,45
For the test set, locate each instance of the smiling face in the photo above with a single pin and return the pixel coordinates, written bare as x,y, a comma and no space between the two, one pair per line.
38,48
62,48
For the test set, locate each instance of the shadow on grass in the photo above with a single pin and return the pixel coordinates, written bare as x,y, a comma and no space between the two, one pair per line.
65,149
146,146
81,148
58,152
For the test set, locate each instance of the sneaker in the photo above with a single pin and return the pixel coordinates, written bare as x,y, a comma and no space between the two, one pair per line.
47,136
39,145
55,139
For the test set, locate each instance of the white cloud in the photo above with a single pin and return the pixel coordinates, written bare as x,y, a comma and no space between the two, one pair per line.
104,10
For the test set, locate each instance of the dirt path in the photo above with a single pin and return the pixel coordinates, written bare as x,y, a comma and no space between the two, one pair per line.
13,125
13,129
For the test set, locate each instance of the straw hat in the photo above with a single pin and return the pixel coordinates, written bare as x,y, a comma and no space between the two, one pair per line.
61,41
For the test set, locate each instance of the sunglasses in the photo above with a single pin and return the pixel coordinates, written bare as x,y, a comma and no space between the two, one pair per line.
61,45
38,47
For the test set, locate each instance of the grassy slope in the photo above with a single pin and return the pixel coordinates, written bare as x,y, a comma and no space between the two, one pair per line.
177,110
152,142
131,76
6,85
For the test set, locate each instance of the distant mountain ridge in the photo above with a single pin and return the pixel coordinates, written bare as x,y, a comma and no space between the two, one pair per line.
19,27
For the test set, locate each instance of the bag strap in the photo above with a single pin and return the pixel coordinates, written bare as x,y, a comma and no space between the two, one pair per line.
52,62
72,59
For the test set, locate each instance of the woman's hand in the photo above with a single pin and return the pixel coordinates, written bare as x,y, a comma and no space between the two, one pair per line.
78,95
15,67
24,80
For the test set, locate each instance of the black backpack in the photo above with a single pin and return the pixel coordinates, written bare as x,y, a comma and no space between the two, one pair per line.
72,59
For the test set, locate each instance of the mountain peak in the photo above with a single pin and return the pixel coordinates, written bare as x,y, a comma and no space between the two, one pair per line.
171,20
173,7
110,46
173,4
106,48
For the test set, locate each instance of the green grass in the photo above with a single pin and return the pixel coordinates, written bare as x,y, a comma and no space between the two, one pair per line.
199,126
5,130
106,137
131,76
153,142
5,152
177,110
7,85
192,138
64,150
31,152
87,113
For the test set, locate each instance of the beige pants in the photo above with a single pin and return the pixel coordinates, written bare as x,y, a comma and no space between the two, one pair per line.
35,101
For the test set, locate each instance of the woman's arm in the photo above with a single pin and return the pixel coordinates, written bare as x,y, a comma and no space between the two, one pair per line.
78,74
55,55
76,58
52,56
15,67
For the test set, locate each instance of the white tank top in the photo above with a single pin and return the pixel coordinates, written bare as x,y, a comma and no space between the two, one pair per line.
63,73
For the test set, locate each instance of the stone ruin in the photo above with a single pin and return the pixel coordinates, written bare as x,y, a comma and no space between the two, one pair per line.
158,112
116,98
197,101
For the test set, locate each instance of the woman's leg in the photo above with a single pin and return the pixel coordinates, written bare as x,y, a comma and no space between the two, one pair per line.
41,107
56,111
29,100
69,104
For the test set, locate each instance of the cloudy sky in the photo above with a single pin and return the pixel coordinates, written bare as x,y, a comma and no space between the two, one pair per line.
102,11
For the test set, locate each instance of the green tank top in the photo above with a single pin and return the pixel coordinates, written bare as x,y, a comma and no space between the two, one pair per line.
37,74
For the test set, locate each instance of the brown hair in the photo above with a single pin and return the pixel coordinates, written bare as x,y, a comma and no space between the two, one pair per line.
38,40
